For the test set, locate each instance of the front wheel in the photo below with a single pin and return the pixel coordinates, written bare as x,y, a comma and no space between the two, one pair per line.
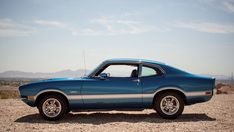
169,105
52,107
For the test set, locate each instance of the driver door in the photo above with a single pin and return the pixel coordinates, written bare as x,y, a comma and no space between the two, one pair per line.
120,89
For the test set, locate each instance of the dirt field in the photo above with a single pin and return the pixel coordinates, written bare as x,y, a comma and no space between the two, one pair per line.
215,115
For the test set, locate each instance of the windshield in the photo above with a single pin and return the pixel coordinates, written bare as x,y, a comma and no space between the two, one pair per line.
94,70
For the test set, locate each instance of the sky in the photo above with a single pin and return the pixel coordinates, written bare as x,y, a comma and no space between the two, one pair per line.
52,35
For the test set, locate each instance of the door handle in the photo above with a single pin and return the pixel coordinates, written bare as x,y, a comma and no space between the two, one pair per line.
136,80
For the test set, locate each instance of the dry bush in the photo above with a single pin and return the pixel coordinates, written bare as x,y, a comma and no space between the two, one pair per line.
7,94
224,88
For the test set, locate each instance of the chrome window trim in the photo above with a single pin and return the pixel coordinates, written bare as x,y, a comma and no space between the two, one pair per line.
114,63
151,66
156,66
139,63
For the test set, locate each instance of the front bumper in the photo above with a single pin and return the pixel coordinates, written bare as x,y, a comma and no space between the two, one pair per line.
28,100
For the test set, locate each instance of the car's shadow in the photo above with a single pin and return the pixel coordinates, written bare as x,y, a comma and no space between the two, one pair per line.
102,118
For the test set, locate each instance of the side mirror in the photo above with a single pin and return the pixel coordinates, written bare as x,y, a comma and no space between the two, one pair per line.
104,75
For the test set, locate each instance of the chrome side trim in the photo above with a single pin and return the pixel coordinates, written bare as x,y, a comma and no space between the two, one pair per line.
165,88
104,96
128,96
112,96
187,94
122,96
199,93
49,90
74,97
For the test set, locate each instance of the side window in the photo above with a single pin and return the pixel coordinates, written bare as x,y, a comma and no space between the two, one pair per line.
149,71
122,70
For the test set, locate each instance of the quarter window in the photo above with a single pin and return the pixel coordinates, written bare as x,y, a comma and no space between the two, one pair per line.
149,71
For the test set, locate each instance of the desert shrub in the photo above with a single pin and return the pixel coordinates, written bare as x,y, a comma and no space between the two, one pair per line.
15,81
9,94
219,85
224,88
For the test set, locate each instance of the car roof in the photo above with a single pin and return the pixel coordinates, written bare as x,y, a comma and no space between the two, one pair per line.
132,60
125,61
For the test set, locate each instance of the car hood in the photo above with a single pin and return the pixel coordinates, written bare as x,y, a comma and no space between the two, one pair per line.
54,83
57,79
62,79
46,81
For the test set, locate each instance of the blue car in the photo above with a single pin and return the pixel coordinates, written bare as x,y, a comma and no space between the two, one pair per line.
120,84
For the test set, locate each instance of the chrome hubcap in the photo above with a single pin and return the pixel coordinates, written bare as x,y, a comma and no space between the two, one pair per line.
169,105
51,107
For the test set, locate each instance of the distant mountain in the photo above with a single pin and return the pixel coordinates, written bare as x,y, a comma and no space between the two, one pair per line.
21,74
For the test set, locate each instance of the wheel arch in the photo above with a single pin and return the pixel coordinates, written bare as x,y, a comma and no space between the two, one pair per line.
170,89
43,93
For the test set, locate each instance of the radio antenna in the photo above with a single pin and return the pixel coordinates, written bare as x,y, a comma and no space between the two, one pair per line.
232,79
84,63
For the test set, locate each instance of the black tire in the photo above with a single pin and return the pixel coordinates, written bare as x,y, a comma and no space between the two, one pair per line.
60,102
68,111
163,111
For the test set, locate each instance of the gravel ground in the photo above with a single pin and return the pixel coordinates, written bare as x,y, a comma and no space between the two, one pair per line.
215,115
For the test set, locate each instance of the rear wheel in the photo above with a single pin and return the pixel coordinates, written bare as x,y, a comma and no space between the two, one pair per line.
169,105
52,107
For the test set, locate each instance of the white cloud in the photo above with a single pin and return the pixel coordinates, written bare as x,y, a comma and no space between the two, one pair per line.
50,23
229,5
9,28
113,26
208,27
